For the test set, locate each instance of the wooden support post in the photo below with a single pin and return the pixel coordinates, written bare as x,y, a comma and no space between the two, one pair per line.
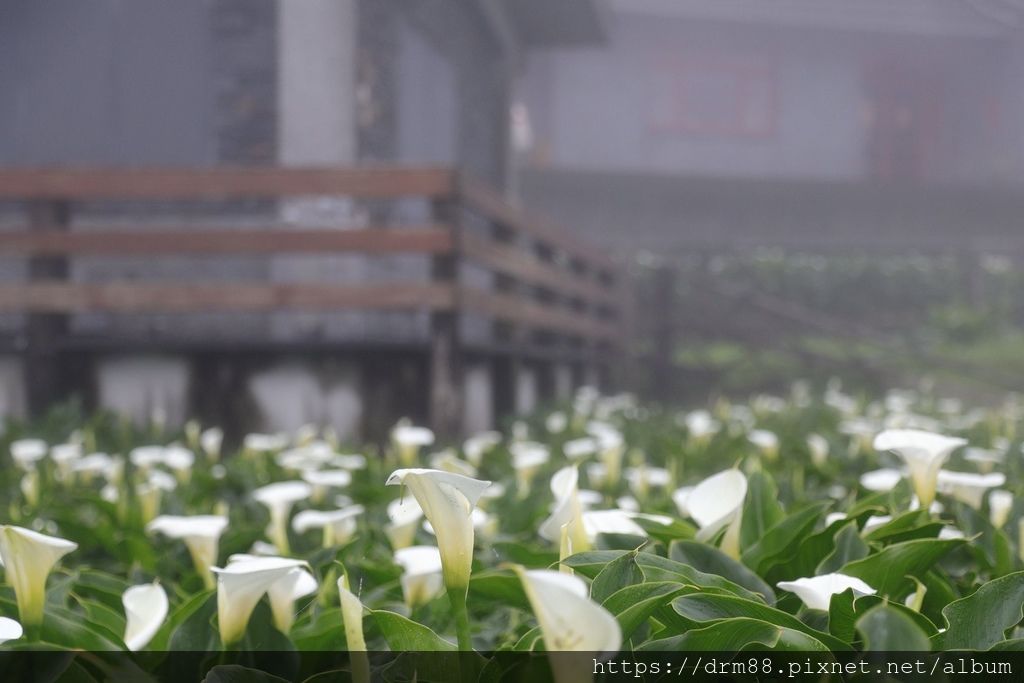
663,307
507,367
43,331
504,370
445,349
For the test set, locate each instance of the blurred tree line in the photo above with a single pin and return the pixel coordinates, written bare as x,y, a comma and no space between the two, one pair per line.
742,322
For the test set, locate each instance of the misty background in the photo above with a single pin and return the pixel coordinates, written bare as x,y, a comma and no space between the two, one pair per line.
796,189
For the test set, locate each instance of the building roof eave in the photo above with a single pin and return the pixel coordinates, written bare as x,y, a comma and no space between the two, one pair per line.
939,18
565,23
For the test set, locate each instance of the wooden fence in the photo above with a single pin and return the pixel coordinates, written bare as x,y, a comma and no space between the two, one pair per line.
551,293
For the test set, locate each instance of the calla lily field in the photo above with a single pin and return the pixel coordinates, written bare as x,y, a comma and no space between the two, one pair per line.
818,521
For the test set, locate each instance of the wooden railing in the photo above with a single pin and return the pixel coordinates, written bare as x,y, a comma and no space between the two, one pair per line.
548,284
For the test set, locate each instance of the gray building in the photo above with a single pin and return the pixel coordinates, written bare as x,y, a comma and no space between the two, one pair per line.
301,83
736,123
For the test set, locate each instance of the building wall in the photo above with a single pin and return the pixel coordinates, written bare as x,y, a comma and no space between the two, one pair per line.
658,96
141,82
461,110
243,61
106,82
254,82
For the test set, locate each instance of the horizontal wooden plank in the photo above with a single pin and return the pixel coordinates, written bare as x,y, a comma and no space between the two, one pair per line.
222,182
530,269
518,310
148,297
490,204
527,350
218,241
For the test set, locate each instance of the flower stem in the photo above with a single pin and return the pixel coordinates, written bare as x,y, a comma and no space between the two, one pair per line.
33,631
458,600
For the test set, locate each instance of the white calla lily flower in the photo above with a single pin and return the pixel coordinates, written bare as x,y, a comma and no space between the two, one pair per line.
611,449
567,513
110,493
10,629
150,493
180,460
861,431
94,464
985,458
338,525
478,445
597,474
263,549
210,441
924,454
968,487
833,517
701,426
27,452
817,591
283,593
447,501
264,443
520,431
556,422
590,498
405,514
613,521
628,504
65,455
1000,504
324,480
681,498
408,439
767,442
717,502
192,430
493,492
836,491
579,449
422,578
448,461
145,457
818,447
310,456
279,498
29,485
643,478
28,558
201,534
527,459
240,586
355,642
145,609
483,524
348,461
305,434
569,620
875,521
881,480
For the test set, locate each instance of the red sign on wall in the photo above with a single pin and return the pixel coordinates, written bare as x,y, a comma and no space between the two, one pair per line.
725,97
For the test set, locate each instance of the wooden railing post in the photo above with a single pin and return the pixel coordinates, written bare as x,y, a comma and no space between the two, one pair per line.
43,377
664,332
446,361
512,365
544,302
